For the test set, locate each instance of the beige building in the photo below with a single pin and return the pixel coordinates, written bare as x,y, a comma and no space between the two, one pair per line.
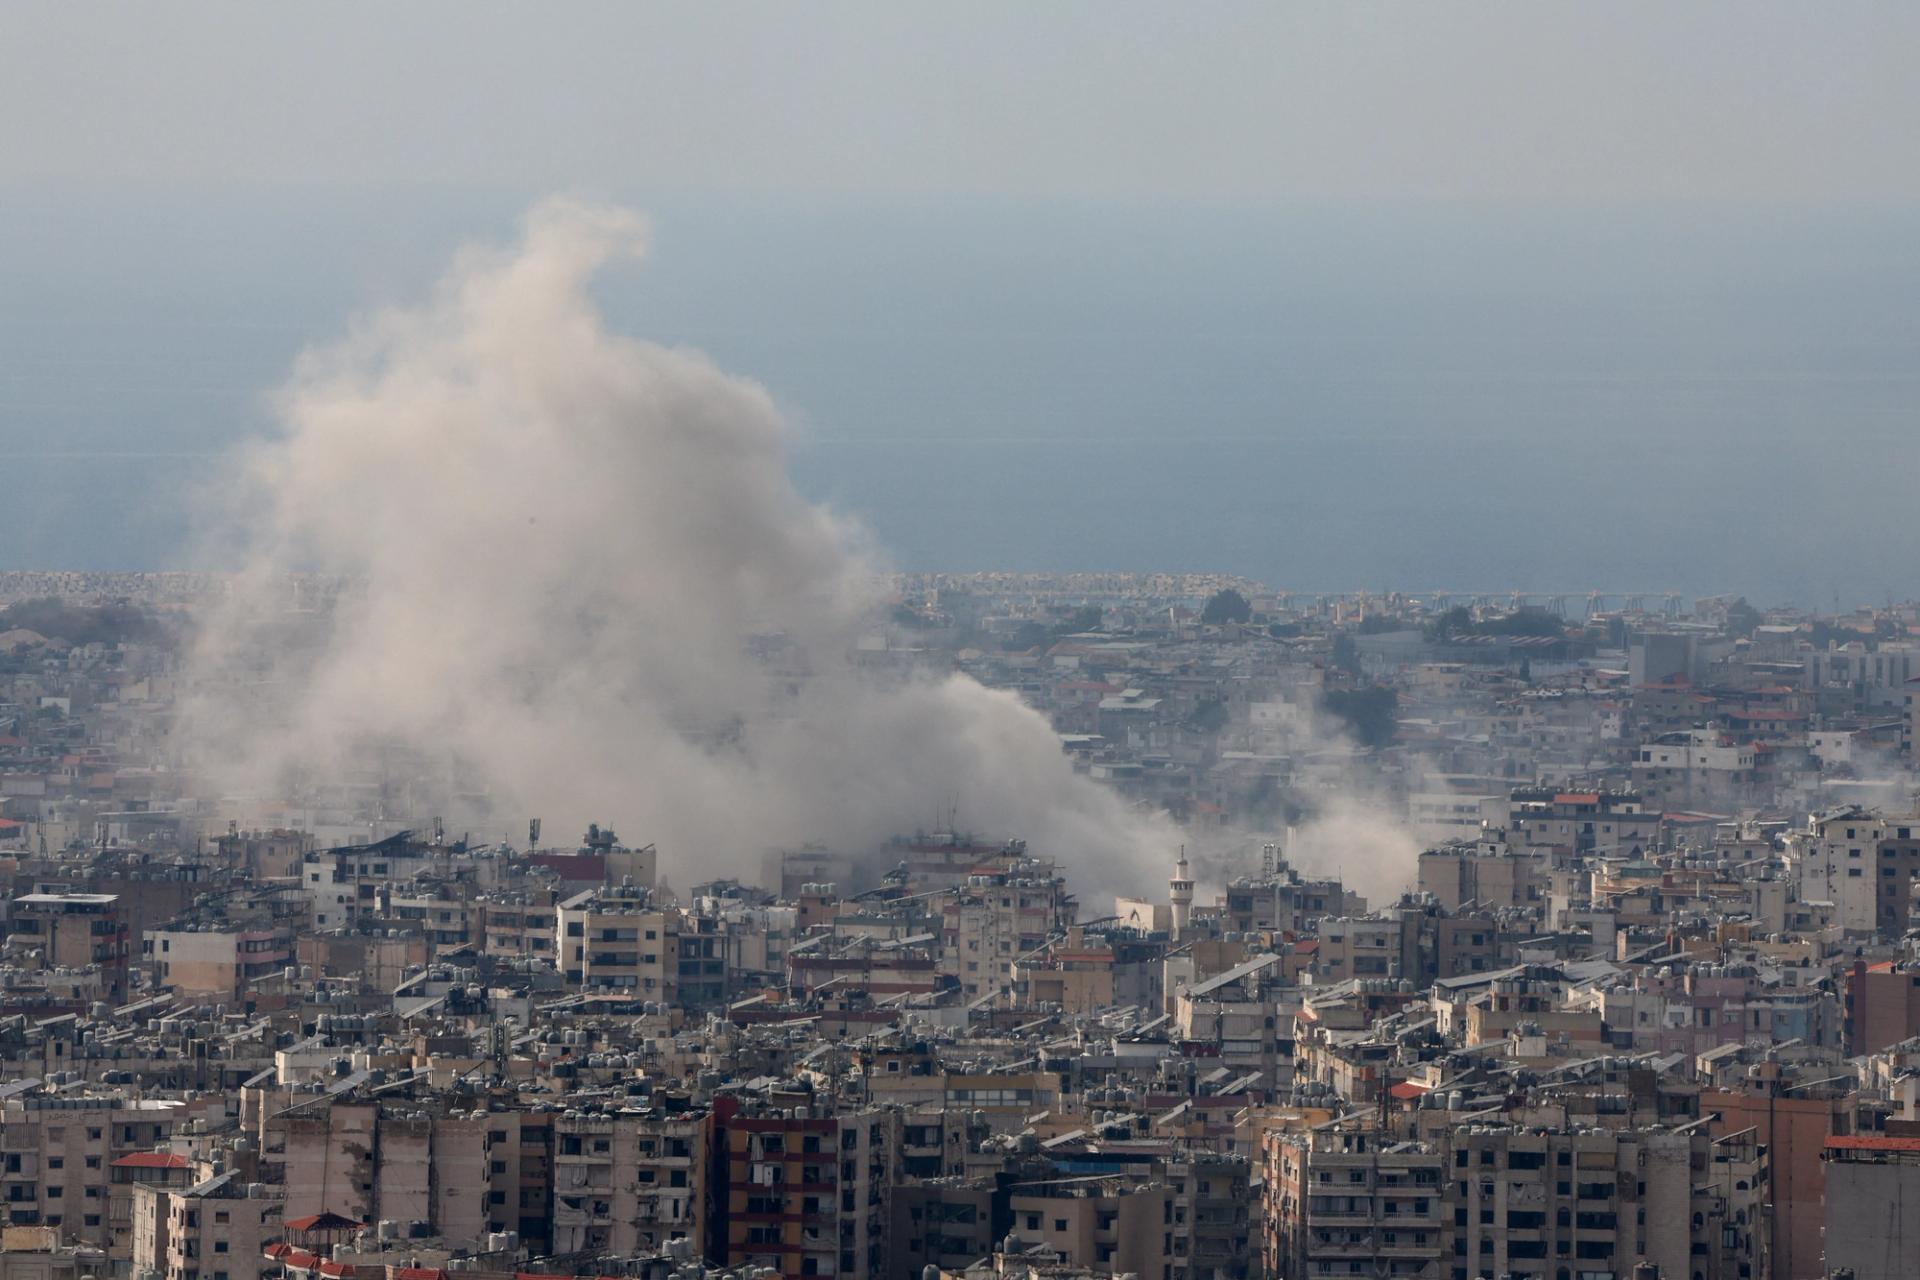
76,931
56,1154
1488,871
214,1230
616,939
213,963
994,921
1597,1201
373,1161
1117,1225
627,1181
1334,1199
38,1253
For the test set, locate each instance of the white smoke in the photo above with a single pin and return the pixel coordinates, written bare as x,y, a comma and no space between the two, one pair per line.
1343,818
563,541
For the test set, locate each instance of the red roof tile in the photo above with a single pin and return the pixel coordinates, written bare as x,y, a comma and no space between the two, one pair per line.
1871,1142
151,1160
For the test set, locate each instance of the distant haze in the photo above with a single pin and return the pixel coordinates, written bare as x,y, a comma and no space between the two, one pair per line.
1512,295
1693,400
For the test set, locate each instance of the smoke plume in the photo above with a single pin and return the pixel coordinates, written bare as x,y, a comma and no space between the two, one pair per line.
583,581
1337,816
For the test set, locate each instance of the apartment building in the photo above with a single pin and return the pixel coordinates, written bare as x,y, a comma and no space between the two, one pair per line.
807,1195
617,939
217,1229
56,1156
518,925
1491,871
1525,1204
993,921
1336,1199
628,1181
1861,862
214,963
77,931
1872,1206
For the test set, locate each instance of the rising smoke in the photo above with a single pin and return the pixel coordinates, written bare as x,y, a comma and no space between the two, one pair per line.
1336,817
582,576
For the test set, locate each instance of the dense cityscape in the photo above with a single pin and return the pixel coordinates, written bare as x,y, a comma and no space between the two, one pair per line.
1502,936
857,640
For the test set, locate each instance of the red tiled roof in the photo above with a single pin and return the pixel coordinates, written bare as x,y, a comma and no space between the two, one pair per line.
1870,1142
1407,1090
151,1160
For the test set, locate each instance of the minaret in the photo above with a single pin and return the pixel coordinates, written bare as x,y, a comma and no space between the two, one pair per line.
1181,887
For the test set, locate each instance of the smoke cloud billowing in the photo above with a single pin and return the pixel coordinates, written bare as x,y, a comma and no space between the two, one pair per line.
1336,816
583,574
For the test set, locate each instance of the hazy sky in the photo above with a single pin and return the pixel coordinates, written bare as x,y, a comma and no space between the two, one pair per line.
1527,102
1475,296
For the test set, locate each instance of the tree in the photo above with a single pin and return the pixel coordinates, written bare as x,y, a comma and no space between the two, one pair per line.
1226,605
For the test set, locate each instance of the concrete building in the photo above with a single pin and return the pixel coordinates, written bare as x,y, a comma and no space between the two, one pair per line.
1872,1207
1529,1203
1491,872
1861,862
214,963
627,1182
808,1195
1337,1199
617,939
58,1152
994,920
76,930
217,1229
